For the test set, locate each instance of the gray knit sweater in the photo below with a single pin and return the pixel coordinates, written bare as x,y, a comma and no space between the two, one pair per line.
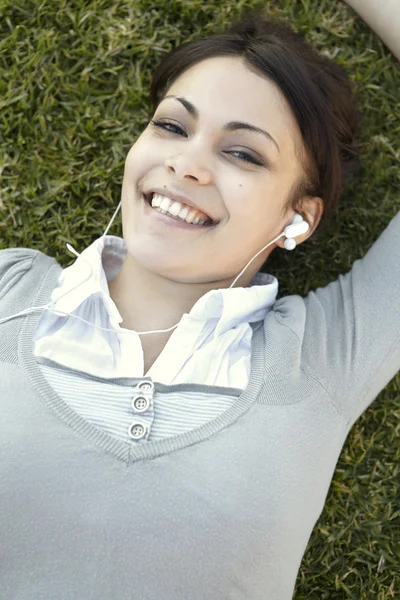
223,511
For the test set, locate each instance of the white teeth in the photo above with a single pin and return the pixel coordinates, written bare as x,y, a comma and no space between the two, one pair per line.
156,200
165,204
191,215
176,209
184,212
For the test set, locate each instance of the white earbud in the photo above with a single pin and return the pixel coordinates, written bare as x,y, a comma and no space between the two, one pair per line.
297,227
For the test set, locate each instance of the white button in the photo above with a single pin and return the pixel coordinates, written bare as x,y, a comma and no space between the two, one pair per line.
137,430
145,387
140,403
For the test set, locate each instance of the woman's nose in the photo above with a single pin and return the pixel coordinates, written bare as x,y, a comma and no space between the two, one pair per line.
188,167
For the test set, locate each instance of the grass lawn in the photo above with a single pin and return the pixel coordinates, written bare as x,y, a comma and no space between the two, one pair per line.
73,98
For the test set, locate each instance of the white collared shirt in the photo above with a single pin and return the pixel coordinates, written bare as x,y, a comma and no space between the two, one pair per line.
211,345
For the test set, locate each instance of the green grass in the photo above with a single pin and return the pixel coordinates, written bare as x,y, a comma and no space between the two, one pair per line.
73,98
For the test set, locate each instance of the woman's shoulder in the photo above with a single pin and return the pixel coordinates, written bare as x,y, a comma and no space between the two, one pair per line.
16,262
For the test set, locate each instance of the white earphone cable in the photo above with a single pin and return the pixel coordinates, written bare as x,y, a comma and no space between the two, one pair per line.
297,226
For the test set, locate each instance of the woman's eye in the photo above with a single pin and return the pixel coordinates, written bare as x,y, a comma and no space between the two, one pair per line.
163,124
248,157
169,126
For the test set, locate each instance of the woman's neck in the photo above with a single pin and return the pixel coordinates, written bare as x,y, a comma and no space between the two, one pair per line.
148,302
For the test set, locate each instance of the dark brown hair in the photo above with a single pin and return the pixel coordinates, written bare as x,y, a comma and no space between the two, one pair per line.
317,89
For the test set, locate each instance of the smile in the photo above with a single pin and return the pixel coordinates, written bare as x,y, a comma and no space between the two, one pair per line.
164,216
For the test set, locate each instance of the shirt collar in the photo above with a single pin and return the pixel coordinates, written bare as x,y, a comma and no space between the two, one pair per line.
228,306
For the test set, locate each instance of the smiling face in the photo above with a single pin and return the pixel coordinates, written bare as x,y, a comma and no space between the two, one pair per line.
240,177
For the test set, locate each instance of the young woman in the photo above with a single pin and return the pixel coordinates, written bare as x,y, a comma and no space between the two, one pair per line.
169,429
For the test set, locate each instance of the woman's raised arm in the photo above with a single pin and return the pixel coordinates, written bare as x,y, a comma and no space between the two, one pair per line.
383,17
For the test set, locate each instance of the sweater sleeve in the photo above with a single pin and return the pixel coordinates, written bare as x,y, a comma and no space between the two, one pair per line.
351,342
14,262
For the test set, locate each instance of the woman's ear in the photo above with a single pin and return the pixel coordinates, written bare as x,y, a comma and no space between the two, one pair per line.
312,208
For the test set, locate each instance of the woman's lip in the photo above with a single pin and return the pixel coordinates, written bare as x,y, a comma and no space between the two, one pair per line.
149,210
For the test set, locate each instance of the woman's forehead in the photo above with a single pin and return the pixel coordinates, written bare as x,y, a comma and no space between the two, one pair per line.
226,77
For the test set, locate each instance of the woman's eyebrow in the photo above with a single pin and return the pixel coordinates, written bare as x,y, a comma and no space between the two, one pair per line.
231,126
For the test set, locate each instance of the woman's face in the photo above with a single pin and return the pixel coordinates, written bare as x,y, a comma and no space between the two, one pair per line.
197,156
